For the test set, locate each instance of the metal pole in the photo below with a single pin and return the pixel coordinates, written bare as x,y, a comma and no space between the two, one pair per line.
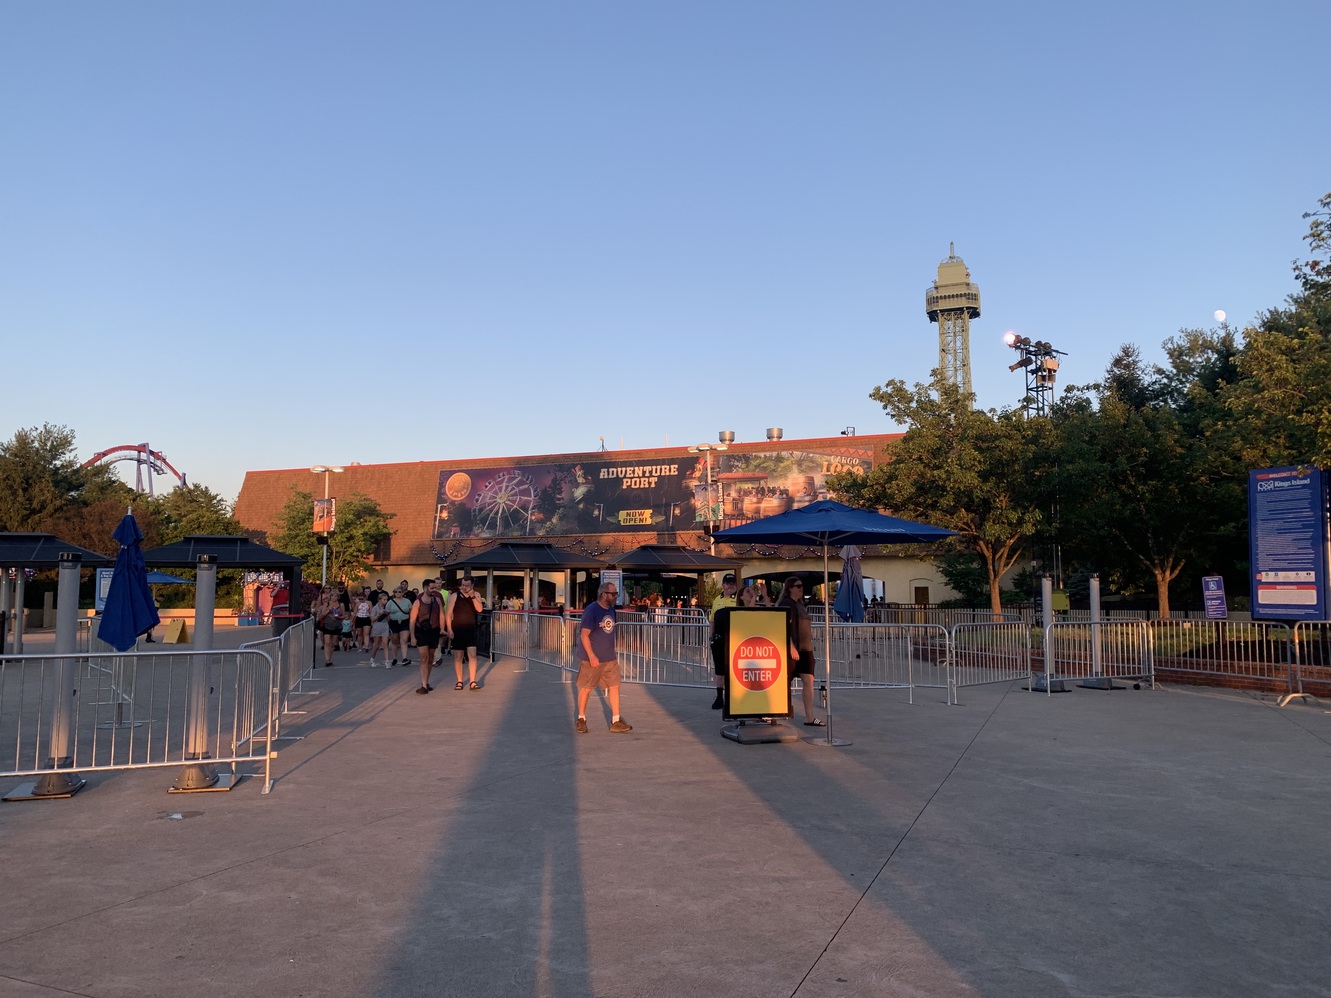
66,680
4,608
199,775
829,741
711,506
1099,680
19,583
1097,666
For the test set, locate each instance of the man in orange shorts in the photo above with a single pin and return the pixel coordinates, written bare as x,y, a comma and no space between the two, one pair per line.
599,665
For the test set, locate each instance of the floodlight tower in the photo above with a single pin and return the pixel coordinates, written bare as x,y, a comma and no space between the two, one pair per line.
953,302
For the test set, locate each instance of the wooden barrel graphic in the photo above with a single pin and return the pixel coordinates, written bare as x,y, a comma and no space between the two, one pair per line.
802,501
753,507
775,504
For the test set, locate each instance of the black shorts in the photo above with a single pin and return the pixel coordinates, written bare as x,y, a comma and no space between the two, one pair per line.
804,667
464,637
397,626
362,621
427,637
334,630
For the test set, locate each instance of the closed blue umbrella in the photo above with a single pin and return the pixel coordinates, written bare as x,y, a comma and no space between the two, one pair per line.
129,602
849,603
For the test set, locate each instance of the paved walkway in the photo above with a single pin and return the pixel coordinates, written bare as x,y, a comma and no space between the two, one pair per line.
1134,843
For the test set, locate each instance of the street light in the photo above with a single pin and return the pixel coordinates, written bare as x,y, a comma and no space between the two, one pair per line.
325,470
706,449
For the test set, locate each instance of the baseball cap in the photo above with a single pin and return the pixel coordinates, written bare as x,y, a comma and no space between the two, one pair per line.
728,577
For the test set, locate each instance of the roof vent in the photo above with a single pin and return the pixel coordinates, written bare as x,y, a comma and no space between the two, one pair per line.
775,433
726,436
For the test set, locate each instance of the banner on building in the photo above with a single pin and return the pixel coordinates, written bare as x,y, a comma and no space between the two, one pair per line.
656,494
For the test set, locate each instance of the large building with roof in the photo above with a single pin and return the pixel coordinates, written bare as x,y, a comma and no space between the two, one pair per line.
603,504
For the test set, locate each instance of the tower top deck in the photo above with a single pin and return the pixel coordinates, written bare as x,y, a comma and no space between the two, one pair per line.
952,290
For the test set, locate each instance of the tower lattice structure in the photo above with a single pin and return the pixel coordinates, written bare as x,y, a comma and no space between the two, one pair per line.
953,302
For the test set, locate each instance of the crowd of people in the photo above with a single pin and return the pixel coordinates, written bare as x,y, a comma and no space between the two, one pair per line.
382,624
386,624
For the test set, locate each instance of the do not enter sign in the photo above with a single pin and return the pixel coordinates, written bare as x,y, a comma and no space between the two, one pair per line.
756,663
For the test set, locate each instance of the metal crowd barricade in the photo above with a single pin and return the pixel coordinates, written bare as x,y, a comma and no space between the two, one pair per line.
885,656
292,653
1311,657
130,711
1101,652
988,653
550,642
1253,650
509,633
664,654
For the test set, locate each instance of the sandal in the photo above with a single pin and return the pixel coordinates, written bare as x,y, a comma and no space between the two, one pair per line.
817,722
458,685
422,690
475,685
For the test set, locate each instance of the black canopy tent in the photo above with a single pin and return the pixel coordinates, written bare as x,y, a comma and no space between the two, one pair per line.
233,552
673,559
28,550
530,558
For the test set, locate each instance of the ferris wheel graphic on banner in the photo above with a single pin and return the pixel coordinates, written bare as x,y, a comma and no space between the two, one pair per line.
504,504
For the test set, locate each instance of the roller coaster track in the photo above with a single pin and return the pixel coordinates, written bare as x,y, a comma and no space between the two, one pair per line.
145,459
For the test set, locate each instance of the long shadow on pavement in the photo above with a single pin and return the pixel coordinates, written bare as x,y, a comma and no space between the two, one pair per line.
501,910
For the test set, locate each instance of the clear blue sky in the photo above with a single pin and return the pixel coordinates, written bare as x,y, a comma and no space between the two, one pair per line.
274,234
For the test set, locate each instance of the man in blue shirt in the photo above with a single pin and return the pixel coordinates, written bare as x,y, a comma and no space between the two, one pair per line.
599,665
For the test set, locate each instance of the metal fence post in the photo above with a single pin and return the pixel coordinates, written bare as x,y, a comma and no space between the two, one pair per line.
66,689
199,775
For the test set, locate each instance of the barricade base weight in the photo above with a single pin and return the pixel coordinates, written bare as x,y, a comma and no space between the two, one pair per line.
24,791
758,734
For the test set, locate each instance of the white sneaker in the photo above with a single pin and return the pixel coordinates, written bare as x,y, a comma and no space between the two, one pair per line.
373,665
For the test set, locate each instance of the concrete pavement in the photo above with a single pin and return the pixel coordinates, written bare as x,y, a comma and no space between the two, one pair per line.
470,843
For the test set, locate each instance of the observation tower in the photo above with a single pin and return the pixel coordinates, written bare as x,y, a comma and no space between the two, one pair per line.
953,302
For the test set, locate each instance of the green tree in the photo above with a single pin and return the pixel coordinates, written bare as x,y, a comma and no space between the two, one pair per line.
41,479
972,471
1281,399
193,509
1143,489
361,527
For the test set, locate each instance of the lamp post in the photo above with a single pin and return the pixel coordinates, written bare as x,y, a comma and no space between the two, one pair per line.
325,470
706,450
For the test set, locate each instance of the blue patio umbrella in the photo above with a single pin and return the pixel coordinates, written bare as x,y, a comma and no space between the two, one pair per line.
156,578
129,607
826,524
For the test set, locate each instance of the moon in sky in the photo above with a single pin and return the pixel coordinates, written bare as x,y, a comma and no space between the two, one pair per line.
1220,315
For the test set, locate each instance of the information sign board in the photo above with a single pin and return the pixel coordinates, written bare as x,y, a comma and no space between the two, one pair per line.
615,577
1213,597
757,661
1287,535
103,587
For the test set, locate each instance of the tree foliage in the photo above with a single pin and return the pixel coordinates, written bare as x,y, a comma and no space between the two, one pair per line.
1139,489
361,527
41,480
974,472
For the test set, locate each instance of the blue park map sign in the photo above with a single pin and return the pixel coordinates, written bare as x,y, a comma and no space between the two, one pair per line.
1287,536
